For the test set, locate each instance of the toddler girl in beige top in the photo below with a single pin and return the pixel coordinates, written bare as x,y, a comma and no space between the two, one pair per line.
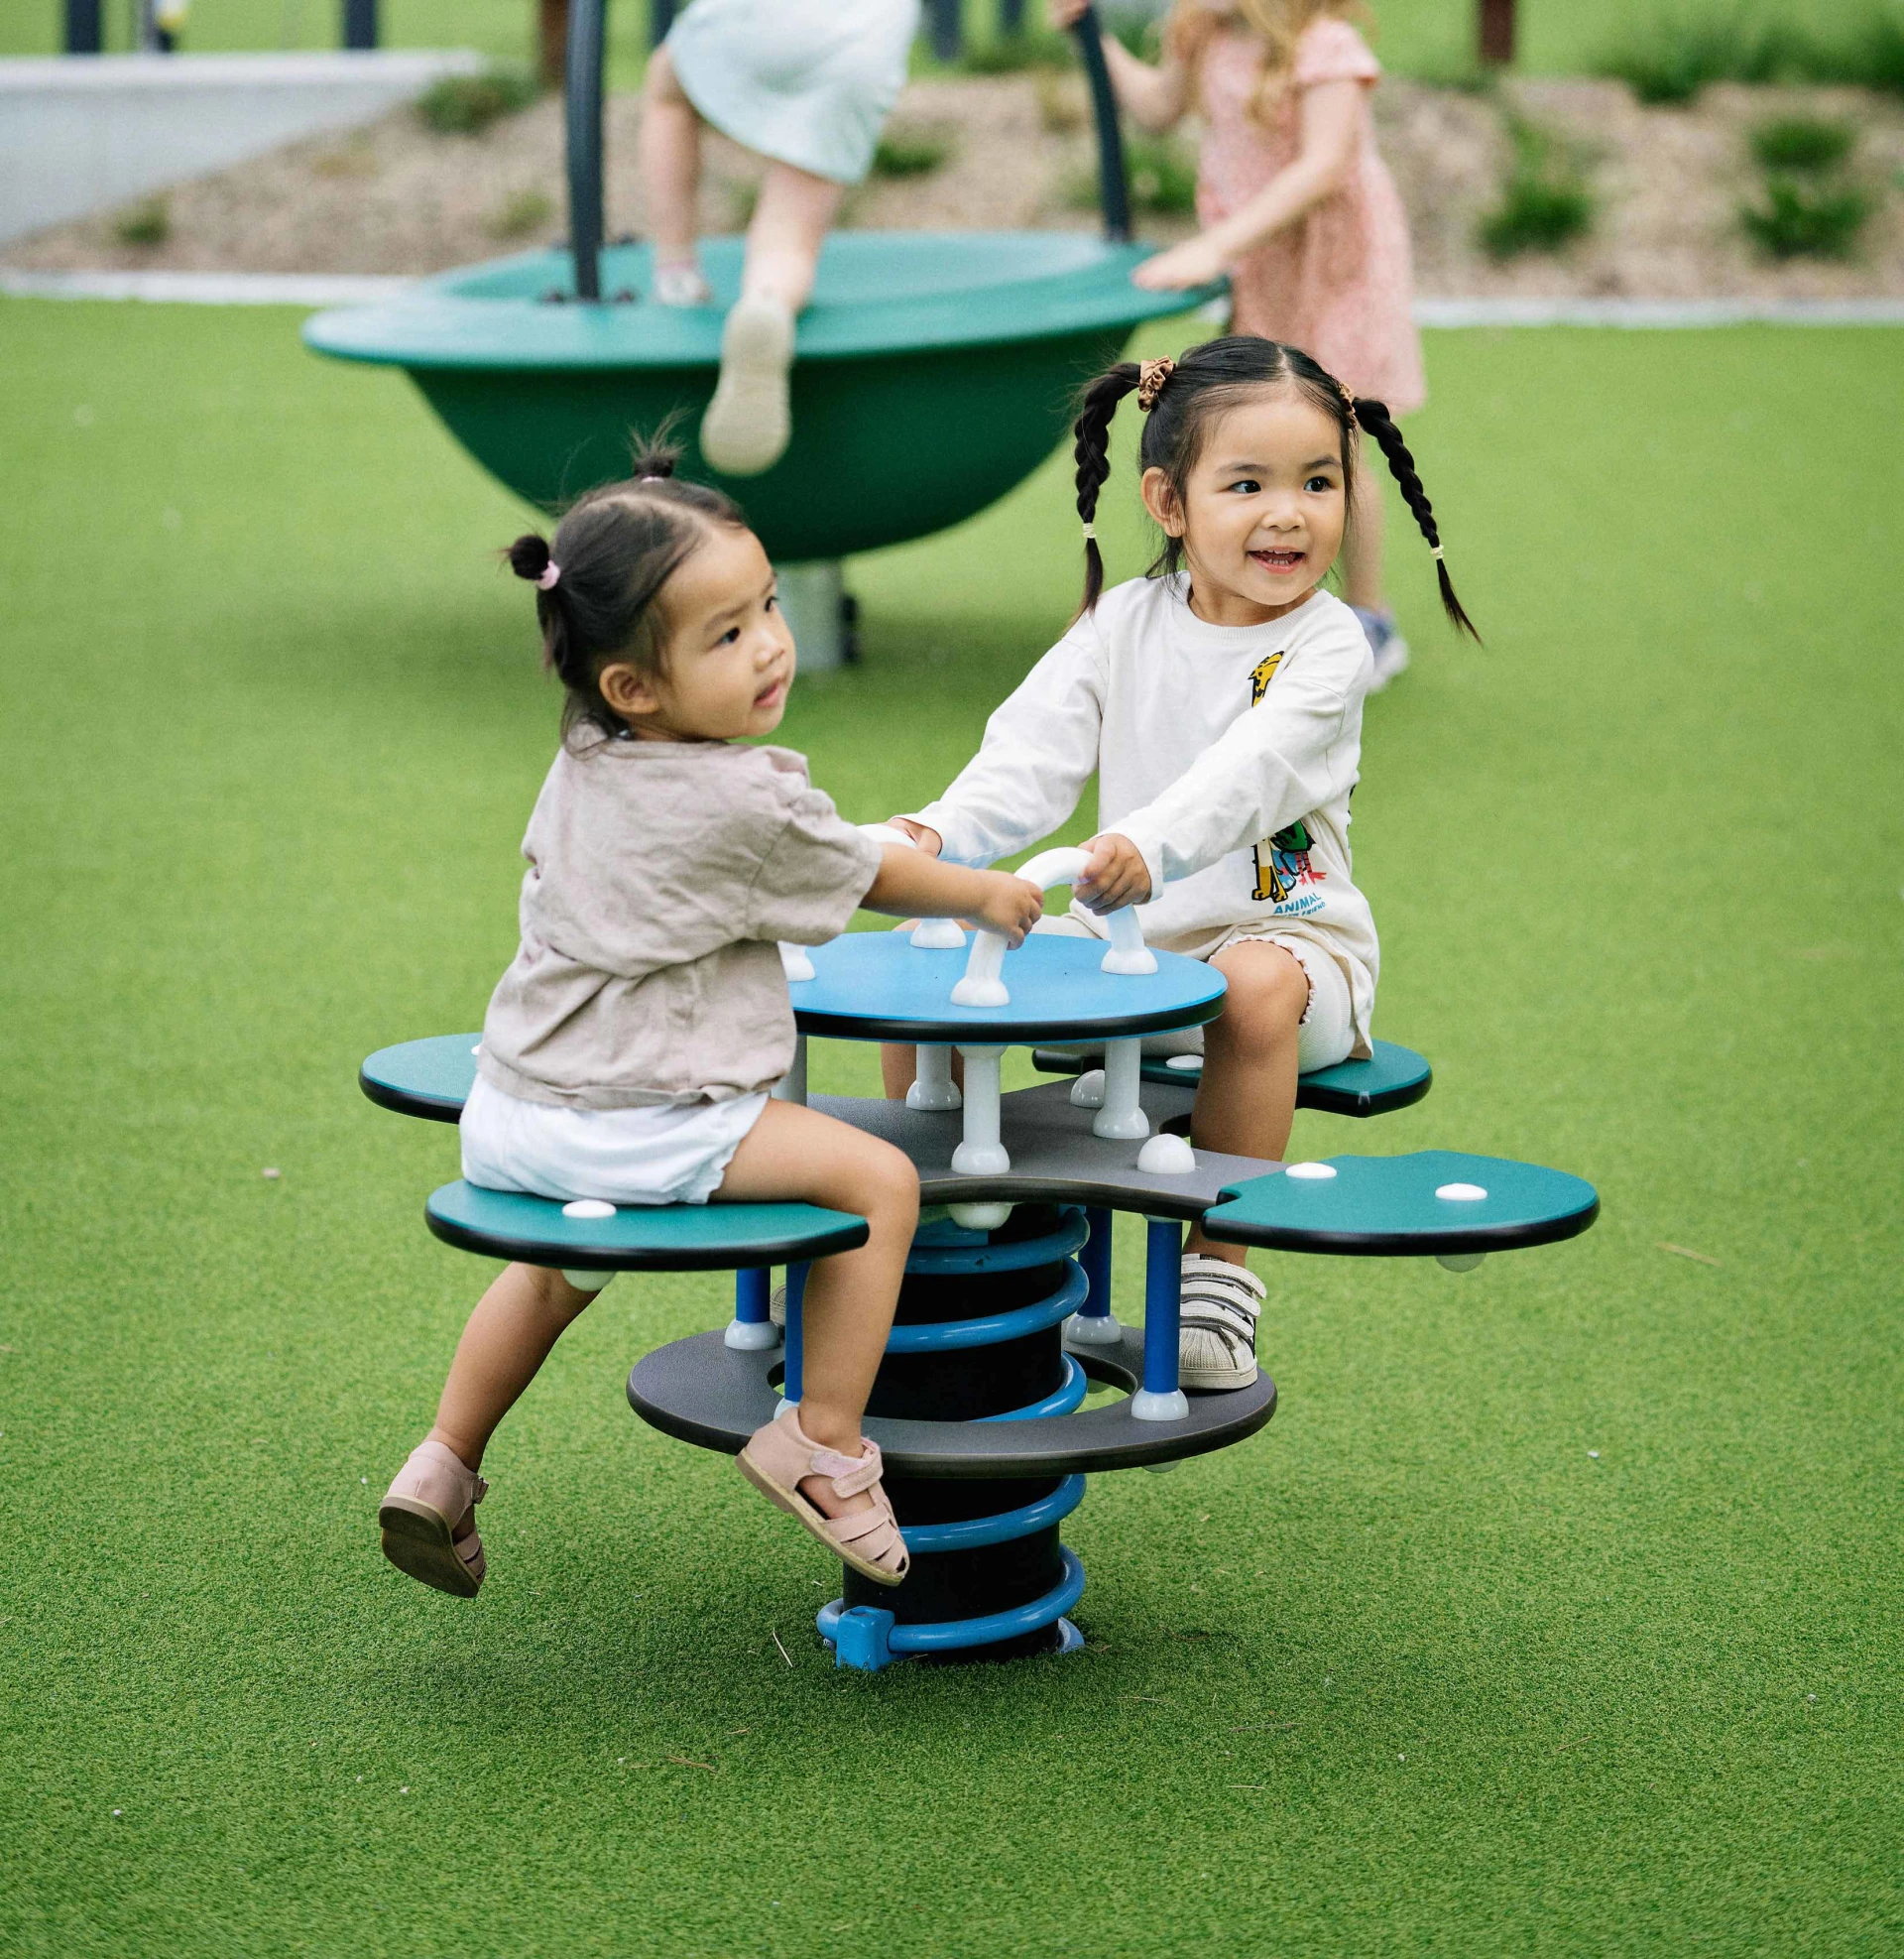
629,1047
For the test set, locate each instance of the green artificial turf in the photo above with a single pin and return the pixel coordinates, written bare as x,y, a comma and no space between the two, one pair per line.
1557,1610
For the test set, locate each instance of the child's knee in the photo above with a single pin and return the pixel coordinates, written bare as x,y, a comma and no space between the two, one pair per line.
1269,994
888,1184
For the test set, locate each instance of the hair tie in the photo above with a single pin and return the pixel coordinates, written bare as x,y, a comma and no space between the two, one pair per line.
1347,402
1435,553
545,581
1150,379
652,476
1090,532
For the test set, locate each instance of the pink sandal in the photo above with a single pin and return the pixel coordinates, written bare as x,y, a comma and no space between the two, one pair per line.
776,1460
428,1519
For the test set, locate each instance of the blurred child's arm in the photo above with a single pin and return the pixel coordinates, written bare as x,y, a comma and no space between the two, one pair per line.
911,885
1331,129
1155,98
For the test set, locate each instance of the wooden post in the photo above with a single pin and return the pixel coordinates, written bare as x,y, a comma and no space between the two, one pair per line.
1497,33
551,41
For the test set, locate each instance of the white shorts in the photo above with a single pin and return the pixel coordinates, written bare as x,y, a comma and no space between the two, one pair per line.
1327,1033
656,1156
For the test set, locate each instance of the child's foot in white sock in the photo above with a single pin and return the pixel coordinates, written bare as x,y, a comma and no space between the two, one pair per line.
680,284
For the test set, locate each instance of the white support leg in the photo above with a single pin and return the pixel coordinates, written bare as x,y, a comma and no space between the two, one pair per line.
982,1154
791,1086
589,1282
813,600
1121,1119
933,1086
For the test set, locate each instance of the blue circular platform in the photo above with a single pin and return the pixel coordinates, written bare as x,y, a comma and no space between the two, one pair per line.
879,986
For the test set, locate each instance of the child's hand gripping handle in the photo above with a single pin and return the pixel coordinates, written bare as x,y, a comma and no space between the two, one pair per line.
984,981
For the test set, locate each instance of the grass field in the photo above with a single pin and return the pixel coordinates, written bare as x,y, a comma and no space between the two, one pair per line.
1557,1612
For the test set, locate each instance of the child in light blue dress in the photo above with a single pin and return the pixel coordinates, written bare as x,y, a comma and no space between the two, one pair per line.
806,85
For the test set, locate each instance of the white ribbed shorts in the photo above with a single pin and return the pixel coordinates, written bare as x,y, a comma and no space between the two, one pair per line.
1328,1031
659,1155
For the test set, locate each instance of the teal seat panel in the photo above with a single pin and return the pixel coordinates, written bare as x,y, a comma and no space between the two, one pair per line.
638,1237
428,1079
1392,1078
1386,1207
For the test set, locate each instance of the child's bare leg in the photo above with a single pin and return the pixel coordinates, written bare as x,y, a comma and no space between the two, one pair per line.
790,223
669,156
508,1338
1247,1097
846,1311
1362,549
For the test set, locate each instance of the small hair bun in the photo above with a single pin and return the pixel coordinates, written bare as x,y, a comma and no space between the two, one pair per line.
654,460
529,556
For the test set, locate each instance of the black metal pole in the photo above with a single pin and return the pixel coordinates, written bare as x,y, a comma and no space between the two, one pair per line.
1010,17
360,23
660,20
587,26
1114,193
86,31
946,28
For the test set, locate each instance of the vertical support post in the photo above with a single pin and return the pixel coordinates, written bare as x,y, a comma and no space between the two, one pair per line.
360,23
1160,1399
791,1086
1093,1324
85,30
586,27
795,1300
752,1329
1497,33
660,18
933,1086
1122,1117
1010,17
551,41
1114,191
981,1154
946,29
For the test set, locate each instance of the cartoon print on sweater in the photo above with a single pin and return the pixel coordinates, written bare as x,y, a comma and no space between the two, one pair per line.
1288,863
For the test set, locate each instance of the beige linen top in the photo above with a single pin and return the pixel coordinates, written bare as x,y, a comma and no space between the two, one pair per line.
661,875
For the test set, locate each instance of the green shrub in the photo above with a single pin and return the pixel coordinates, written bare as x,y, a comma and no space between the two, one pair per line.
911,152
1013,54
1669,60
525,211
148,222
1162,174
1801,143
1799,222
1545,203
1869,55
466,104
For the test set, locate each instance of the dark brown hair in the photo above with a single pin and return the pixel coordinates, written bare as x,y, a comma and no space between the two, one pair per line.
615,550
1206,381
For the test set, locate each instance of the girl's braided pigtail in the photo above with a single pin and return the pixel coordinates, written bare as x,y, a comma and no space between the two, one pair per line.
1092,451
1375,420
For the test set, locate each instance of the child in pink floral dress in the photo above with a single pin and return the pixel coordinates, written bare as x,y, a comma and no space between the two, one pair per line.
1296,206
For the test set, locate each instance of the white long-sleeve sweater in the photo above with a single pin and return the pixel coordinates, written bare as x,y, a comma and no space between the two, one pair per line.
1226,754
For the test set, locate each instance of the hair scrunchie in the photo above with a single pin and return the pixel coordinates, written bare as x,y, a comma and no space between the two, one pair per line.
1150,379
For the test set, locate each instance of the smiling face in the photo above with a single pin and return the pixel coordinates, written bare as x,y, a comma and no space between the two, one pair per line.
1262,508
729,655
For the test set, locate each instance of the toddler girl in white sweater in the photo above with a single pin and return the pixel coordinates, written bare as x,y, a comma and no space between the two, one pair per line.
1219,703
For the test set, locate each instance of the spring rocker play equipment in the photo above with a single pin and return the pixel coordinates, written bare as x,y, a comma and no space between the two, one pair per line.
1003,1320
932,370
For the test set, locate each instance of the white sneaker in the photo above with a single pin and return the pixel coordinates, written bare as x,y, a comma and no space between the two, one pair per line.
1386,643
750,421
1216,1340
681,286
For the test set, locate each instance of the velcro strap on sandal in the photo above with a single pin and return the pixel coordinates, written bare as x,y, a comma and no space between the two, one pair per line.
850,1475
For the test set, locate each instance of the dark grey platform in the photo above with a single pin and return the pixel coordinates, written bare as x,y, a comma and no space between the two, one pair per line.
700,1391
1054,1156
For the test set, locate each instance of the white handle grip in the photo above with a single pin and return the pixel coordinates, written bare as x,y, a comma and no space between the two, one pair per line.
984,981
929,934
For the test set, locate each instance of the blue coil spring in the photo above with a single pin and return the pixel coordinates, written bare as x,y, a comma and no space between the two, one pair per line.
947,1250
